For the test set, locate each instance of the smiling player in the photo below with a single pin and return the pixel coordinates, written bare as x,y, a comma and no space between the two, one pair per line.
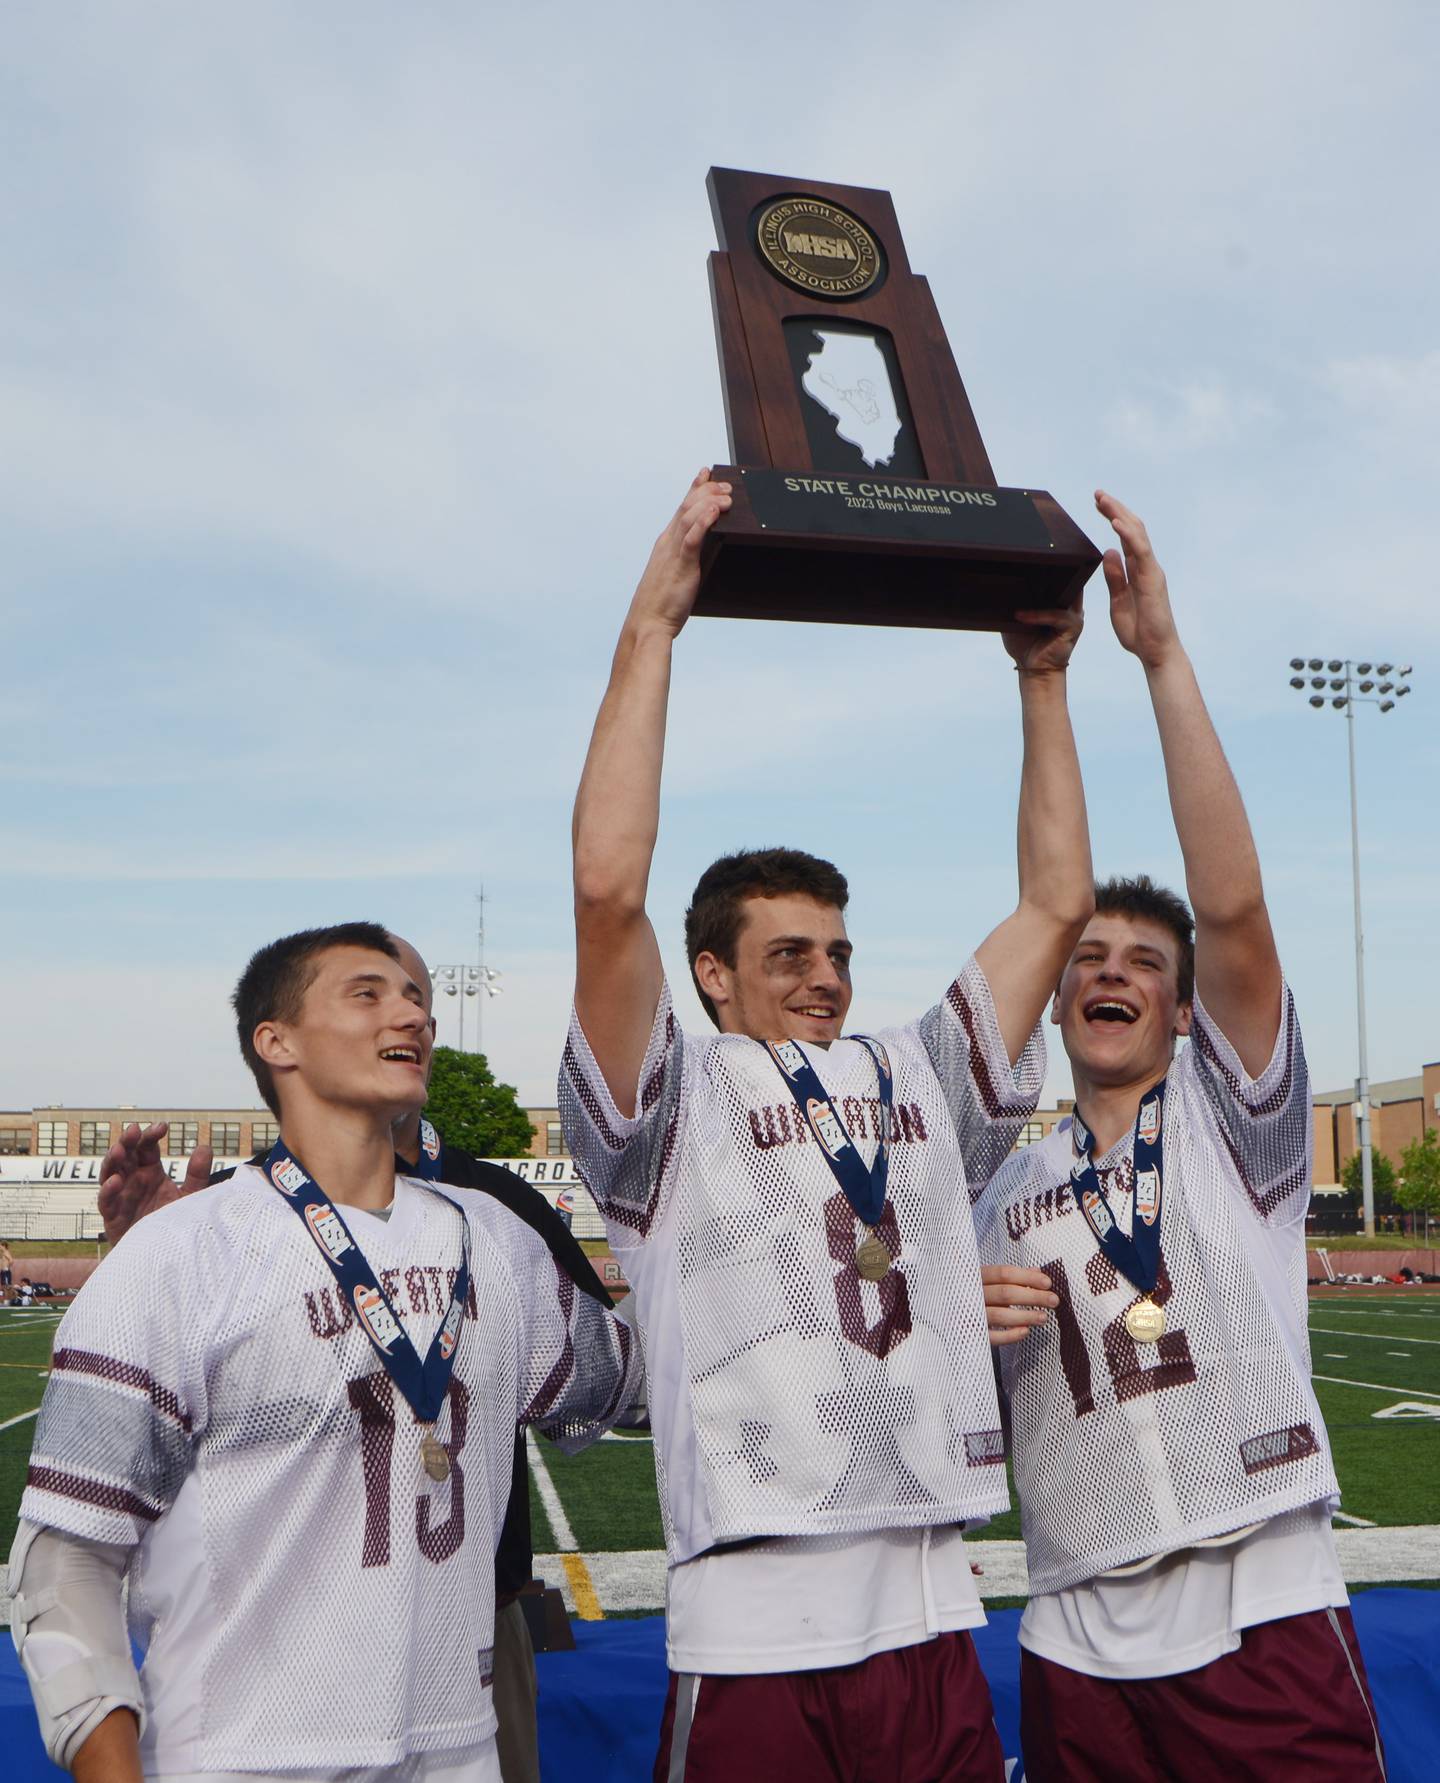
1187,1616
792,1210
285,1411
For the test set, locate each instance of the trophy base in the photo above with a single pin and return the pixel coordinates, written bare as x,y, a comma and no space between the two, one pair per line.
870,549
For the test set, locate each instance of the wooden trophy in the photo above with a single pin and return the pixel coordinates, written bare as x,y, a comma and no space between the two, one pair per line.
862,489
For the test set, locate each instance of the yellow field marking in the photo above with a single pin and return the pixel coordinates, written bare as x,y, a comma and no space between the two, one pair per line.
582,1586
25,1367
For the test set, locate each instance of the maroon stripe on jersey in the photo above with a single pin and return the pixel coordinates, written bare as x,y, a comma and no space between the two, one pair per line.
123,1374
565,1367
589,1101
1280,1095
76,1486
640,1219
655,1082
990,1098
612,1405
1265,1203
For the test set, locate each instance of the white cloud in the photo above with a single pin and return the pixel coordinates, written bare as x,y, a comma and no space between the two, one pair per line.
1187,416
1388,389
355,357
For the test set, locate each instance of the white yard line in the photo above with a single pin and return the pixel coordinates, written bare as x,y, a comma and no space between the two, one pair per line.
1369,1310
1375,1386
1374,1336
1354,1522
20,1420
549,1497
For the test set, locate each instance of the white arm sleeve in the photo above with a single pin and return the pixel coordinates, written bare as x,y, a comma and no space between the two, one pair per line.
68,1623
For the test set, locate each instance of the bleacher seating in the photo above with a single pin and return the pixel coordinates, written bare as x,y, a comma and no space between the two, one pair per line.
41,1211
68,1210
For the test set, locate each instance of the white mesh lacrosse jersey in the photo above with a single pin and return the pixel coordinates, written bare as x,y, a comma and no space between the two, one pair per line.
788,1396
1123,1450
308,1596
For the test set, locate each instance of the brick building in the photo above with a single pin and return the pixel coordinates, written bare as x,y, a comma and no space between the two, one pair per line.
59,1132
1400,1111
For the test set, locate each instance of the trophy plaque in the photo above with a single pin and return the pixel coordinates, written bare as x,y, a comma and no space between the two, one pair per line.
862,489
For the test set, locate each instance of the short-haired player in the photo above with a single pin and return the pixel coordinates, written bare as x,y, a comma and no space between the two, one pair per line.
1187,1616
134,1183
793,1210
283,1413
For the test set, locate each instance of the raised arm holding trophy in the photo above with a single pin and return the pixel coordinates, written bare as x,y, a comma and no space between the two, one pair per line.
791,1203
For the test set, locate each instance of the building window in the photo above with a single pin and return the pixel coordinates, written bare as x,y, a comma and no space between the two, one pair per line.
225,1138
14,1142
554,1140
94,1138
184,1137
1030,1133
53,1139
263,1135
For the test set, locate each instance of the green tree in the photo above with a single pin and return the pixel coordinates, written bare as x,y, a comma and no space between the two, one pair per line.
472,1111
1419,1190
1382,1180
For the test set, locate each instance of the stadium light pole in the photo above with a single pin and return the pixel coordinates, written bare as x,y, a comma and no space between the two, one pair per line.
1351,684
457,981
487,980
462,981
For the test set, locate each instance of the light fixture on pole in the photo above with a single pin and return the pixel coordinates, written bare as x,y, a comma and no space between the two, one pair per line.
1351,685
460,982
487,979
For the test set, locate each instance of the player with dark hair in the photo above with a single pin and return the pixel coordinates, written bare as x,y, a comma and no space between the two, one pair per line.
134,1182
718,907
1187,1616
793,1212
284,1413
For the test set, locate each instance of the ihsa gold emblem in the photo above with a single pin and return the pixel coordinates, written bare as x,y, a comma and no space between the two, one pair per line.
818,247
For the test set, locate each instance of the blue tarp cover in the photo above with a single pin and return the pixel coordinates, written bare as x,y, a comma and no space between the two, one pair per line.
600,1705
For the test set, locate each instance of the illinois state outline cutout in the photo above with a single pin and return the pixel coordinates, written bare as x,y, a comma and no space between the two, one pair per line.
848,378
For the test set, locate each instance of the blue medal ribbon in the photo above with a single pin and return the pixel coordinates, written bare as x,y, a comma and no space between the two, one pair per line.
427,1164
424,1383
1137,1257
864,1189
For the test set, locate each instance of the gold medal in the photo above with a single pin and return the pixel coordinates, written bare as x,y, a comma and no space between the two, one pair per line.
436,1460
1145,1321
872,1260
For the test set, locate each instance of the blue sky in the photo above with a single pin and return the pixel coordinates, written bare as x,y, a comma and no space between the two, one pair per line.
353,354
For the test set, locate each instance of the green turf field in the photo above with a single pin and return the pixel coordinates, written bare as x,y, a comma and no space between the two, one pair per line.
1384,1340
1374,1349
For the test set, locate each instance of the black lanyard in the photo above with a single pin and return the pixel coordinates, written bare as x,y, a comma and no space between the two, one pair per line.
864,1189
